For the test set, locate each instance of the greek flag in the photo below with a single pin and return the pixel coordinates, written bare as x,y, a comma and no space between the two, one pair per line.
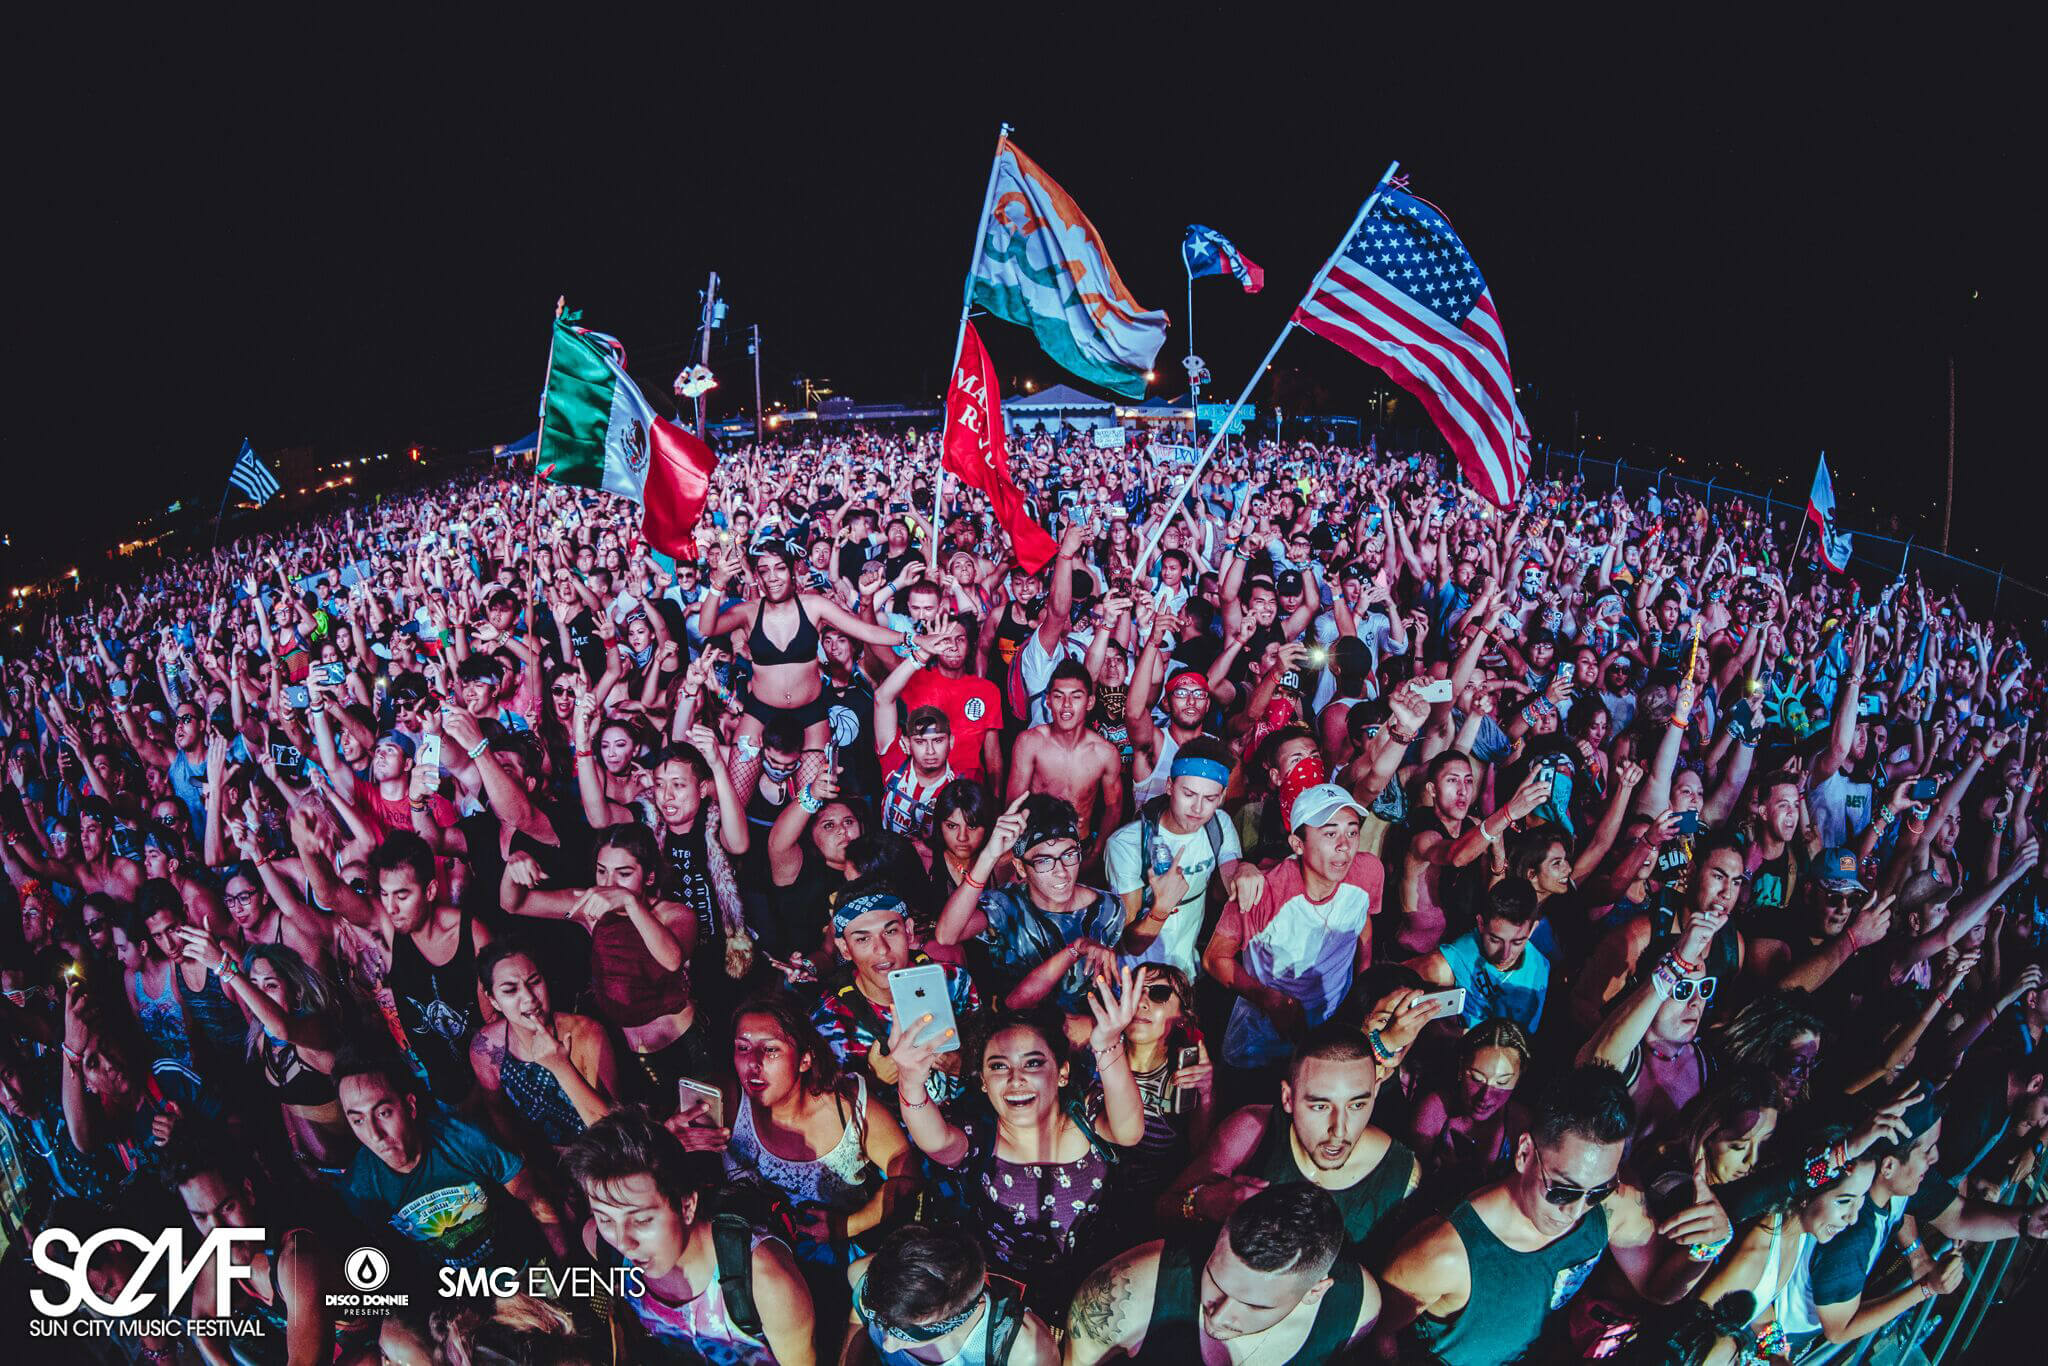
250,476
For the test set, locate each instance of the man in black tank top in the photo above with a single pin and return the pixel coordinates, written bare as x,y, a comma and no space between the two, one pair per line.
1320,1134
1270,1286
1477,1287
292,1271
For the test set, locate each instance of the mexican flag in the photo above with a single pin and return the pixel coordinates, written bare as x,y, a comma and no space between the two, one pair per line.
598,431
1043,266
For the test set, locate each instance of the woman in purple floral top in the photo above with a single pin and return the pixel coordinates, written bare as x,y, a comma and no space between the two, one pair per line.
1036,1174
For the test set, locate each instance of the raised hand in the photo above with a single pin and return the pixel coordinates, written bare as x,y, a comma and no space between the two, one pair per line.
1114,1004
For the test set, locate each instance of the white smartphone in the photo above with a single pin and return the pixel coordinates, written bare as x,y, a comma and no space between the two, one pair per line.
1454,1002
428,760
689,1092
920,991
1436,690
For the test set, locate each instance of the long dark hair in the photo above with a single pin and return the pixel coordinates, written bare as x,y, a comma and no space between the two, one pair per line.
795,1022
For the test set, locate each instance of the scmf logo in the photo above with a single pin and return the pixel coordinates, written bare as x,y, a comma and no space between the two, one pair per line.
135,1297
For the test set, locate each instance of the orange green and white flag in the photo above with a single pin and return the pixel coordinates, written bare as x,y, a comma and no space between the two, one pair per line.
1043,266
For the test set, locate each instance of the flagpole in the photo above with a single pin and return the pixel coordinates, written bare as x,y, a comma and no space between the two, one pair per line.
988,198
540,434
224,499
1216,437
1194,384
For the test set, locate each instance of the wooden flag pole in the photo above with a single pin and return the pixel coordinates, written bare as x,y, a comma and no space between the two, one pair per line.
1216,437
988,197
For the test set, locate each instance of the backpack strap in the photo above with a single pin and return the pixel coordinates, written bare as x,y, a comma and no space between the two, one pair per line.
732,1239
1005,1317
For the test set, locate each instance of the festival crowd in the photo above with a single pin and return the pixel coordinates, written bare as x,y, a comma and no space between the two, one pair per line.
1377,926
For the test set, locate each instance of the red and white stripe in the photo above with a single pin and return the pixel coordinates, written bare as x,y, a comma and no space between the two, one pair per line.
1460,375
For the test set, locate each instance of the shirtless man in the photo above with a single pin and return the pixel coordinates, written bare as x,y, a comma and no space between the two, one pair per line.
1270,1290
1069,760
1446,838
94,867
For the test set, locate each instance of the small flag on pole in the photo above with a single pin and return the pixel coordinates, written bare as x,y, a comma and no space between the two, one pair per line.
252,477
1820,506
974,451
1404,296
1205,251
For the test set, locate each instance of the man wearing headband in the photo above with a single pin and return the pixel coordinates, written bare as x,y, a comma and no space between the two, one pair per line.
1185,697
1161,864
925,1297
874,937
1271,1289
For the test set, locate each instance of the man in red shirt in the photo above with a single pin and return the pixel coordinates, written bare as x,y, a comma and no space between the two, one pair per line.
972,705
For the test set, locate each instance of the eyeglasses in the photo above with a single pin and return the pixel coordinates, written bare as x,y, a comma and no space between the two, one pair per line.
1684,987
1186,694
1045,863
240,898
1159,993
1564,1196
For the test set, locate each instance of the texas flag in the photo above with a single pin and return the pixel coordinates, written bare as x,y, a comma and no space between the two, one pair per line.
1206,251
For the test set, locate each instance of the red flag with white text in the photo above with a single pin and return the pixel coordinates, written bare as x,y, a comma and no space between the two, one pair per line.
974,452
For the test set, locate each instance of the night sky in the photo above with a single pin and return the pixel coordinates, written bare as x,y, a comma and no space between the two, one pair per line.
356,240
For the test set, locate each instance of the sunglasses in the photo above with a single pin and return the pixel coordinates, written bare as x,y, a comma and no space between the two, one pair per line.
1159,993
1564,1196
1684,987
1189,693
562,690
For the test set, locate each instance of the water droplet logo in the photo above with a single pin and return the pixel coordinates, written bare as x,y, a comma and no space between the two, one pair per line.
366,1268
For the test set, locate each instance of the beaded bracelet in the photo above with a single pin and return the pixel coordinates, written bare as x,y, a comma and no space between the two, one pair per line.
1379,1047
1706,1252
808,802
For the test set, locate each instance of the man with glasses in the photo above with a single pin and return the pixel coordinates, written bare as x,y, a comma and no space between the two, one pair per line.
1520,1248
1048,936
925,1297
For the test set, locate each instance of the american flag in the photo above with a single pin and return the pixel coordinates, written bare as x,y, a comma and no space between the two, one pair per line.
1404,295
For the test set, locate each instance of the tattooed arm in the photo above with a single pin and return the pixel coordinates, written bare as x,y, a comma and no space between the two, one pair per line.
1113,1307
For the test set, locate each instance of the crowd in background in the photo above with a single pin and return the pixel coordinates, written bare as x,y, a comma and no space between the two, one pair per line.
1375,925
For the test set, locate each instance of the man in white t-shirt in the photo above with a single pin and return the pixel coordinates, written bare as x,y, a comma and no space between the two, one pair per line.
1161,863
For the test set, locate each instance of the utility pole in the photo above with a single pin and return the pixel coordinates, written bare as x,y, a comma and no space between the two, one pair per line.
1948,502
709,313
754,350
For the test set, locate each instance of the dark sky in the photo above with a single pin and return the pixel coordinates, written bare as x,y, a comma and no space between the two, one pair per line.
1710,245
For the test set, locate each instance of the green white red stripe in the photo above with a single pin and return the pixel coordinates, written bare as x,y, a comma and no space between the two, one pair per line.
598,431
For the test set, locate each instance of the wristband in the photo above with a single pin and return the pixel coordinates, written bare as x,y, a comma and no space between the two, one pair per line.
970,880
1187,1201
476,751
74,1055
808,802
226,967
907,1103
1909,1249
1395,731
1706,1252
1379,1047
316,709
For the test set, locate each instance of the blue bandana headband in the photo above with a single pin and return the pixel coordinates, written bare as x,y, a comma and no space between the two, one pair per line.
854,908
1197,767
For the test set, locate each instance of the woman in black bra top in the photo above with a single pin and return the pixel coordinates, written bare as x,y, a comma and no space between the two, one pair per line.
787,678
